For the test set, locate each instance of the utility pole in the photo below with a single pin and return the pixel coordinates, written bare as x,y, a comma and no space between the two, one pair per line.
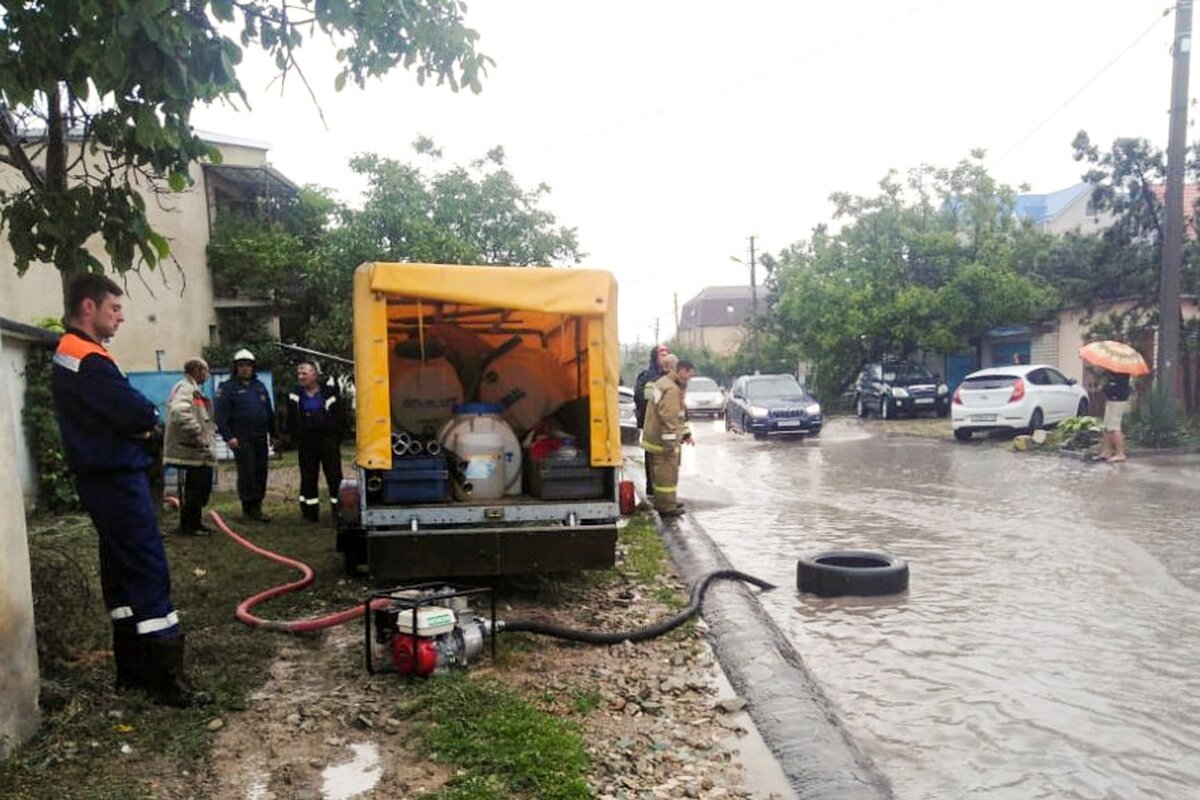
657,341
1172,246
676,296
753,309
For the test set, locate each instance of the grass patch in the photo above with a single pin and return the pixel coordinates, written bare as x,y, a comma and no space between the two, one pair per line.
96,743
501,744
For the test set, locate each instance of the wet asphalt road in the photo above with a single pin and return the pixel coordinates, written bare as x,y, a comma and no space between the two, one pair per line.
1049,644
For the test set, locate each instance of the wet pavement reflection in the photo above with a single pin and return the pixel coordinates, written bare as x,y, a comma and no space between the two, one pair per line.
1050,640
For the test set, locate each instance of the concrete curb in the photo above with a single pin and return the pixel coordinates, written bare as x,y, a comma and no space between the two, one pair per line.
817,755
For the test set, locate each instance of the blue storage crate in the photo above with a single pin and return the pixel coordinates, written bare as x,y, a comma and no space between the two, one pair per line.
415,480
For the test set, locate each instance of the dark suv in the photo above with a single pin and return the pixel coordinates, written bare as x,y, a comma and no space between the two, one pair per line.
892,388
771,404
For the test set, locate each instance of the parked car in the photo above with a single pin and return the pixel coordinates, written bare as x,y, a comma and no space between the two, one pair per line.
765,405
1019,398
629,428
704,397
894,388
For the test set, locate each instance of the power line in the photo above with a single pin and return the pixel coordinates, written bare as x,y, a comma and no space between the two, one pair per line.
1166,12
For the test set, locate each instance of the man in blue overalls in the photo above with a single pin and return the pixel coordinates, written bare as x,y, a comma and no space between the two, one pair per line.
105,424
246,421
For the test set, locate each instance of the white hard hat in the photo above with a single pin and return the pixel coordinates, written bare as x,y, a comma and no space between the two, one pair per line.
243,355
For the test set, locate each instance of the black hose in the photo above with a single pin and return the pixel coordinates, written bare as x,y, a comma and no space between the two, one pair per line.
637,634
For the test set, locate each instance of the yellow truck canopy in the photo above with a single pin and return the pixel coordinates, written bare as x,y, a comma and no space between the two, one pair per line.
569,314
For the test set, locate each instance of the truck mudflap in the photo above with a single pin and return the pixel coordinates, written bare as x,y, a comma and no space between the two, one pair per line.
395,555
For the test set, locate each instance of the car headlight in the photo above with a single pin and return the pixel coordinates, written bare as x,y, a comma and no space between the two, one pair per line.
812,409
899,393
759,413
943,388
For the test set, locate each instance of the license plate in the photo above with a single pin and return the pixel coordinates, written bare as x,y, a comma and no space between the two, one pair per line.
983,418
788,423
924,401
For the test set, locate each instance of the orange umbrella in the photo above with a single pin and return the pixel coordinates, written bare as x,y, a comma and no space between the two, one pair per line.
1114,357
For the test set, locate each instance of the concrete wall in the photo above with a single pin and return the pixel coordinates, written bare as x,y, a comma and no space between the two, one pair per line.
12,393
19,715
720,340
169,314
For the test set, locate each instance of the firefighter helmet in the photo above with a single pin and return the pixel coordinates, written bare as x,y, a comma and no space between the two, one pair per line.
243,355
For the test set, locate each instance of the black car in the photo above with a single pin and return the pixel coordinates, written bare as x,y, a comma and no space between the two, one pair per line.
894,388
765,405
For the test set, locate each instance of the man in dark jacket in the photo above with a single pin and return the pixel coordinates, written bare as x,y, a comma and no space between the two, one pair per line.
316,421
246,421
642,389
105,424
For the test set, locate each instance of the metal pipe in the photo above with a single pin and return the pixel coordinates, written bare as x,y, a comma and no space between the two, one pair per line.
433,448
415,448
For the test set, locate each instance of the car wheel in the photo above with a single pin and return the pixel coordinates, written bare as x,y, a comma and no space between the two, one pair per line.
1082,410
1036,420
836,573
944,411
963,434
885,408
728,424
860,408
760,436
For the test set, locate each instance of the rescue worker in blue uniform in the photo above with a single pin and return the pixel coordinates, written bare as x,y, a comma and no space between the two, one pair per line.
105,425
316,422
246,420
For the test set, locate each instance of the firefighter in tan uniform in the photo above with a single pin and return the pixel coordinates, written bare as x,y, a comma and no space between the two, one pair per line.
666,432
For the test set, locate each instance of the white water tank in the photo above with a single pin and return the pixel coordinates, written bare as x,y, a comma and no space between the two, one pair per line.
471,430
424,391
526,386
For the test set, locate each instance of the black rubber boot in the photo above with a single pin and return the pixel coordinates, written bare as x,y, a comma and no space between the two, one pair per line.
170,685
256,513
127,652
311,513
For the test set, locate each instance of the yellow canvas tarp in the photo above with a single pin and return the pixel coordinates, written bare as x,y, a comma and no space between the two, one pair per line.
570,314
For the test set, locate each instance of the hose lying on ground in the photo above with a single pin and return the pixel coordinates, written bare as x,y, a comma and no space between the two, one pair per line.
291,626
637,634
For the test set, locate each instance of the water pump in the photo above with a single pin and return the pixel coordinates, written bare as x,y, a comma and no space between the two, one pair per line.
425,629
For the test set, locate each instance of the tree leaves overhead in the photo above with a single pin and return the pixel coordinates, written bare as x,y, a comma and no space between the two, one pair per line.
121,78
928,263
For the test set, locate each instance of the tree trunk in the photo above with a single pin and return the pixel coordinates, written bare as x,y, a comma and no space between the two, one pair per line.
65,261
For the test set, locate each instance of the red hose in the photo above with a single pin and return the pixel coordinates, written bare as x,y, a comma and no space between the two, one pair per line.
292,626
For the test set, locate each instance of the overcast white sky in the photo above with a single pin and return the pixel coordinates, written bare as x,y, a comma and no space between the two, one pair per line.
670,131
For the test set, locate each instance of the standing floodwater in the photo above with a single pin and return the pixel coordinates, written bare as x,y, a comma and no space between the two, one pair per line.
1049,644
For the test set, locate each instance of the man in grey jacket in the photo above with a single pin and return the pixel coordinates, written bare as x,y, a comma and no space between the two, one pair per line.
188,445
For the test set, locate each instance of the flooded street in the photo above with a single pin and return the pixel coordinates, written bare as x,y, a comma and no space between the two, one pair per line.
1049,644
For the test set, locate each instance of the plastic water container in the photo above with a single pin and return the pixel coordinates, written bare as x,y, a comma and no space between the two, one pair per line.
423,392
483,455
525,385
468,431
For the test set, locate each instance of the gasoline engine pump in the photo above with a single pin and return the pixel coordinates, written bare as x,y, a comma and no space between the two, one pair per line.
426,628
429,628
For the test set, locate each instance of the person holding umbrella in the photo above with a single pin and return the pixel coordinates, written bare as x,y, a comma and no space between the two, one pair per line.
1119,362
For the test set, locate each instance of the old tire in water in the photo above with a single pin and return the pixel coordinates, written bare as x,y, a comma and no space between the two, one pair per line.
835,573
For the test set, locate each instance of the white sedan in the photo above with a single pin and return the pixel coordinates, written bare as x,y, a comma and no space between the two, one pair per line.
1014,398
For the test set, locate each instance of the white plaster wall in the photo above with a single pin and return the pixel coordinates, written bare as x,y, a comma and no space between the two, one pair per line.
12,392
19,715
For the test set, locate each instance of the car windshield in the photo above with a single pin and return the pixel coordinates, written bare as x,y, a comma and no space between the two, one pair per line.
906,373
702,385
780,388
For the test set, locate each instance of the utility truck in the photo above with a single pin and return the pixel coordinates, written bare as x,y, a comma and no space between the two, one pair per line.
488,433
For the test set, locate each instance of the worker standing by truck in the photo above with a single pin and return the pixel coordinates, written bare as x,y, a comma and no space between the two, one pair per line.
316,422
666,431
105,425
643,387
246,421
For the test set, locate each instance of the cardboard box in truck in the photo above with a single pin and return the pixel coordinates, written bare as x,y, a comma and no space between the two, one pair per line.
488,434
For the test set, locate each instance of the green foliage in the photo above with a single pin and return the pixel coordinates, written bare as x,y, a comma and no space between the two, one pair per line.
1075,433
123,79
305,255
929,264
493,735
56,490
1155,422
